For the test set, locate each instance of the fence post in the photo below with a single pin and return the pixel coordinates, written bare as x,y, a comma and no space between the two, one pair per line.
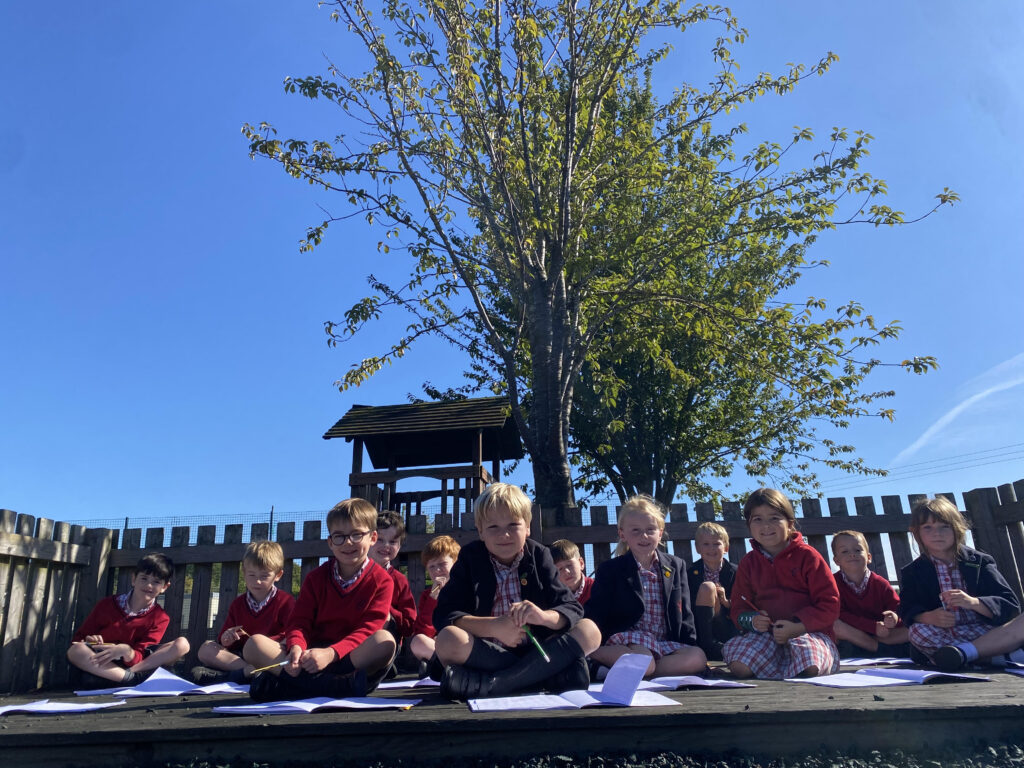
989,537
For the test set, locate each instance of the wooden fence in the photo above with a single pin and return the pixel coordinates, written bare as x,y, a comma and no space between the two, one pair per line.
51,574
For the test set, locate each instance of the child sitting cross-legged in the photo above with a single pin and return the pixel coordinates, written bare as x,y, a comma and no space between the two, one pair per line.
335,644
390,535
710,580
641,600
438,558
120,639
869,621
503,597
262,610
572,569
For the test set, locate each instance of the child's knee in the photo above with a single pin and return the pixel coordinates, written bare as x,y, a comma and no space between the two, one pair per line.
450,641
588,635
208,651
181,646
707,594
740,670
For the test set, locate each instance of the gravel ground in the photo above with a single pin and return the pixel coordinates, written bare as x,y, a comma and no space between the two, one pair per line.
999,756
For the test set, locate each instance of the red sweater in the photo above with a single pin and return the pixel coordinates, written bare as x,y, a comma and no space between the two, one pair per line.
271,621
795,585
403,607
588,584
108,620
863,611
425,615
326,617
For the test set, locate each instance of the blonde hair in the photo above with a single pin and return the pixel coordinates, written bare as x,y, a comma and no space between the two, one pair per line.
712,530
769,497
502,496
359,512
641,504
853,535
267,555
440,546
942,510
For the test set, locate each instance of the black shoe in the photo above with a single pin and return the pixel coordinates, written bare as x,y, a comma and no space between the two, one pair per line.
435,669
575,677
462,684
208,676
714,651
949,658
391,672
919,658
264,687
423,670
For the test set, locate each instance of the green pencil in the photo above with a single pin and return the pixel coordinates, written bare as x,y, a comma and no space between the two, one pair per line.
538,646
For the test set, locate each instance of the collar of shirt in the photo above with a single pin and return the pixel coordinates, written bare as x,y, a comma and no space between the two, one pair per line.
579,591
501,570
124,600
256,606
344,583
858,588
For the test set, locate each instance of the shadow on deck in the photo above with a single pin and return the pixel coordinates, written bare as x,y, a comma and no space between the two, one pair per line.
774,719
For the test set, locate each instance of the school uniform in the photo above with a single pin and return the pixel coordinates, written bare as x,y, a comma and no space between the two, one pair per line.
425,615
863,611
584,590
472,587
403,607
111,620
721,623
330,615
794,585
269,619
617,603
974,572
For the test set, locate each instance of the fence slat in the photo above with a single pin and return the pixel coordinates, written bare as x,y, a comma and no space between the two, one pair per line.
311,531
229,588
991,538
602,550
811,509
131,542
899,539
174,597
680,546
8,518
16,605
865,506
286,534
35,624
202,580
65,581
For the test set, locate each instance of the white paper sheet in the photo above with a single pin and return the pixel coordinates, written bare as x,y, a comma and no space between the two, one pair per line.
875,662
690,681
870,678
164,683
426,682
47,707
305,706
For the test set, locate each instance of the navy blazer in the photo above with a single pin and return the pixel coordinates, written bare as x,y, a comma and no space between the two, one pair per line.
695,577
616,601
919,587
472,584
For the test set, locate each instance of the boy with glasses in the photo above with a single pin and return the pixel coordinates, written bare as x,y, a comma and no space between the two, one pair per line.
335,644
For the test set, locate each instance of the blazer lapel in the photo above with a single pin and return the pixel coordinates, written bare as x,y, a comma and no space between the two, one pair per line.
667,573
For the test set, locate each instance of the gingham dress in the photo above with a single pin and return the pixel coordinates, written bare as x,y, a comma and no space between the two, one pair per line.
969,625
651,628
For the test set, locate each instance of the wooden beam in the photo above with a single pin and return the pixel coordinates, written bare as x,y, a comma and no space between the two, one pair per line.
16,545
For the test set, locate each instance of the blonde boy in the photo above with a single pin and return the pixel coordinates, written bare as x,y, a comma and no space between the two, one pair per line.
503,594
120,639
572,569
710,581
868,605
262,610
335,644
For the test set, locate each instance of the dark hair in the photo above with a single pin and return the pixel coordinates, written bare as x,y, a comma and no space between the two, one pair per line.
157,564
390,519
769,497
941,510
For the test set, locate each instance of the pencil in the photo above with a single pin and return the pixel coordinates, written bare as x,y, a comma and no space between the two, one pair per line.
750,602
264,669
538,646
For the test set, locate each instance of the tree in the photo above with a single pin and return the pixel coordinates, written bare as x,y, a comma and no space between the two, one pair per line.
514,151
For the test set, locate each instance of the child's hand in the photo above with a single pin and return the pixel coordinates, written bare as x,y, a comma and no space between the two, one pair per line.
722,599
890,619
317,659
938,617
881,630
957,598
294,656
507,632
439,582
762,622
232,635
783,631
109,654
524,613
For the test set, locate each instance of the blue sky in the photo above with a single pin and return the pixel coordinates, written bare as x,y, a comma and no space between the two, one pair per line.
162,342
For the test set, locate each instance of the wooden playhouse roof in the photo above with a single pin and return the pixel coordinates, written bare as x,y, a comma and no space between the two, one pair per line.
419,434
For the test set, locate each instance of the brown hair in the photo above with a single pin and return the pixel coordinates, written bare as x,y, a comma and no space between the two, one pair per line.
359,512
944,511
769,497
506,496
440,546
563,549
156,564
390,519
265,554
853,535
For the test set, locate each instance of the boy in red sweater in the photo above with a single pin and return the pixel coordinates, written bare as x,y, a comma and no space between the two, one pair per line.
262,610
869,619
120,639
335,644
572,569
390,536
438,558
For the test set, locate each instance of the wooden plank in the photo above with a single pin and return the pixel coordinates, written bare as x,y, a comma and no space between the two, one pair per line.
202,582
312,531
15,545
8,519
899,540
990,537
259,532
95,580
736,525
174,597
680,547
11,653
865,506
227,590
37,619
154,540
65,593
443,523
131,548
811,509
385,476
602,550
285,537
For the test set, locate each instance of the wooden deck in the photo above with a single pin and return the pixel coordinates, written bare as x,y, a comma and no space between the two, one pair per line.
772,719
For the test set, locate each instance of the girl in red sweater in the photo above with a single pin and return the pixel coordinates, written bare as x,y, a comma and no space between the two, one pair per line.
784,599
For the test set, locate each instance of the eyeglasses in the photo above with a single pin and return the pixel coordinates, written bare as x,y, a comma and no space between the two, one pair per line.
338,538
